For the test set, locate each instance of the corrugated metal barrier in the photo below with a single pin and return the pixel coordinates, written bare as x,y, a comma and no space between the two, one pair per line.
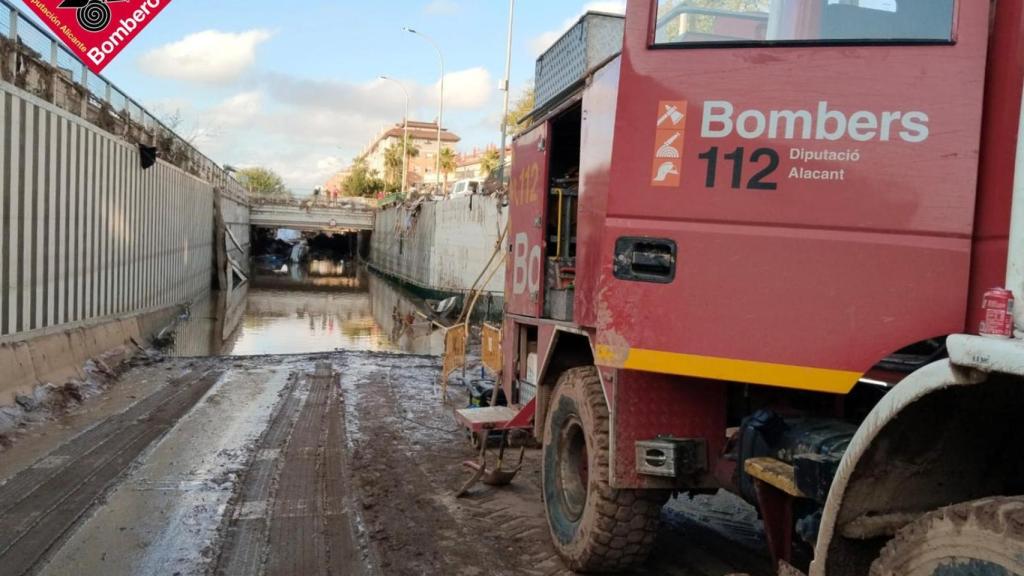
85,233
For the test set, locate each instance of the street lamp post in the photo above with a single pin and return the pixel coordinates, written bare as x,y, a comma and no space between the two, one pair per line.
440,113
405,135
507,89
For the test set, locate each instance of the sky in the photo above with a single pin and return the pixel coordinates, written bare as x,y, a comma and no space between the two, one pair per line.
295,86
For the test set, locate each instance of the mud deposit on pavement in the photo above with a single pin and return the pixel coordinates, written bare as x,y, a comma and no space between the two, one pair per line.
343,463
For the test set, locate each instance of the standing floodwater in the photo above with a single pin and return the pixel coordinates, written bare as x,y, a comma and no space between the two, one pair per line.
321,306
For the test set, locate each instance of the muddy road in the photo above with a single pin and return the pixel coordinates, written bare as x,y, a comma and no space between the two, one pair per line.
343,464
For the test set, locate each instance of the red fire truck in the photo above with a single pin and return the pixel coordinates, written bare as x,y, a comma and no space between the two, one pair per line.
750,249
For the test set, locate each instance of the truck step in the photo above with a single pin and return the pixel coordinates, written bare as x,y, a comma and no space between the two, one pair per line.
497,417
774,473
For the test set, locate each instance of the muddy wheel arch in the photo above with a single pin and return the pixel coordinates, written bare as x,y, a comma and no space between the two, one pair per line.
568,350
945,435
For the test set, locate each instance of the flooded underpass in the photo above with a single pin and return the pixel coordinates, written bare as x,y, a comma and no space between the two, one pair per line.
300,431
313,308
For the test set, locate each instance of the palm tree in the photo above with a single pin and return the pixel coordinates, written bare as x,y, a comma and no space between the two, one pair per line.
392,162
411,149
448,164
393,159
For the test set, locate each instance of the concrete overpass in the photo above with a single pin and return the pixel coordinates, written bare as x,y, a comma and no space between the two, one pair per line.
315,217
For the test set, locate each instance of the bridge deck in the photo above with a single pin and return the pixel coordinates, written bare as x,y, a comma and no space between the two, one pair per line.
313,218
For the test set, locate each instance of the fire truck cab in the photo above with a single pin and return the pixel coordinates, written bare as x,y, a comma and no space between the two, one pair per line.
749,243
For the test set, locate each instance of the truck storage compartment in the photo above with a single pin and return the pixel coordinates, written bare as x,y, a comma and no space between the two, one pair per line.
563,215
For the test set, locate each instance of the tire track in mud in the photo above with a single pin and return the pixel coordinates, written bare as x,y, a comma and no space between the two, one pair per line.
359,478
64,456
342,559
244,541
296,526
291,515
42,504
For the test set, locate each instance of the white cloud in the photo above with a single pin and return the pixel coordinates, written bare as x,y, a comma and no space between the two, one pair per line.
305,171
237,110
309,129
467,89
442,8
210,56
543,41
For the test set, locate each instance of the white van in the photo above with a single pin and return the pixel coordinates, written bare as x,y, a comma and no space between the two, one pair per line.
466,188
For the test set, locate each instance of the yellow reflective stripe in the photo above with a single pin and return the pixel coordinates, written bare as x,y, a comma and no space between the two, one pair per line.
764,373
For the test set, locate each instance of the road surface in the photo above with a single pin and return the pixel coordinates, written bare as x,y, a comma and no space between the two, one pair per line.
334,464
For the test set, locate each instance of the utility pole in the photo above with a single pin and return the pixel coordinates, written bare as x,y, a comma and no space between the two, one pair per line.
506,87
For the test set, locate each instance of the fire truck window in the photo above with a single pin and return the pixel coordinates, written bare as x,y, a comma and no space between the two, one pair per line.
694,22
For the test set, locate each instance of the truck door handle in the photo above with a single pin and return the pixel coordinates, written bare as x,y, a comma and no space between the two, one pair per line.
645,260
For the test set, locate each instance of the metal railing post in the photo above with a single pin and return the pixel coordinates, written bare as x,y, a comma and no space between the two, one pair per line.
54,71
84,112
13,36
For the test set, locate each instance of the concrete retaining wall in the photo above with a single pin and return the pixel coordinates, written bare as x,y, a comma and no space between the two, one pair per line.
233,235
59,357
442,246
421,337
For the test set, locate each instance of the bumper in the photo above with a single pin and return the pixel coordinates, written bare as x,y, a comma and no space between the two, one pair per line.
987,354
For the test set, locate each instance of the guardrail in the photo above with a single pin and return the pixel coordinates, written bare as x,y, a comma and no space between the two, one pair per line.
343,202
32,59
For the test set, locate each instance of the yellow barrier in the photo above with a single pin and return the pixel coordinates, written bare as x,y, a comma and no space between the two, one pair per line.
490,344
454,354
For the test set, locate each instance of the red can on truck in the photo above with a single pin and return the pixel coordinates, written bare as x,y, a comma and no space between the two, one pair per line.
998,307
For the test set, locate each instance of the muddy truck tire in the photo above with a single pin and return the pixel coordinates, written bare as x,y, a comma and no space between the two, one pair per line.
980,538
595,528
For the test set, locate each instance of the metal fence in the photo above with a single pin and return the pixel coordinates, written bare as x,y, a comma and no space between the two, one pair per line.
16,26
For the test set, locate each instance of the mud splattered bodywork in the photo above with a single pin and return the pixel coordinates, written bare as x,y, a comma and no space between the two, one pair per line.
753,266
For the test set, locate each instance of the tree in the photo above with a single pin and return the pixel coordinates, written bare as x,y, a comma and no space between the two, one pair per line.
362,181
393,160
264,183
704,23
190,133
522,106
448,164
393,164
490,162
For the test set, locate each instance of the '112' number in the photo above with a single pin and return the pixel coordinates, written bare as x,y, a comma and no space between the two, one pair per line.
738,158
